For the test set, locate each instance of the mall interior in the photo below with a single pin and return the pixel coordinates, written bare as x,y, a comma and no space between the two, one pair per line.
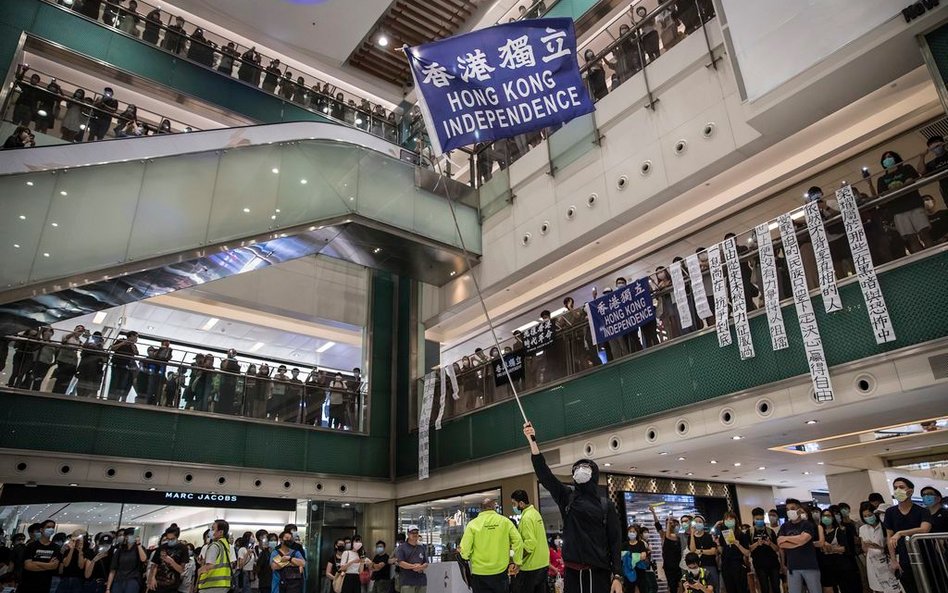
239,284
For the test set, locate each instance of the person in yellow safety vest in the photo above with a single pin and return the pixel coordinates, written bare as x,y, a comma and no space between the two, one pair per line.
487,543
215,575
536,550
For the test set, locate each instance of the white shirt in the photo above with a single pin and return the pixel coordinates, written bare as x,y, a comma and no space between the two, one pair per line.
351,556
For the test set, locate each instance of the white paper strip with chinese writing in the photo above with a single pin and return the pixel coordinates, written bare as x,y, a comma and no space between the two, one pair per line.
769,286
681,295
824,259
424,425
812,343
871,291
719,287
738,304
442,398
697,287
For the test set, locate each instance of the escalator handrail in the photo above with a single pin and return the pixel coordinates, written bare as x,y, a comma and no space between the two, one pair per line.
68,156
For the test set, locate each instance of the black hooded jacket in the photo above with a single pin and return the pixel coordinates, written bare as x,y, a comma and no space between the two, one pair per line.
587,539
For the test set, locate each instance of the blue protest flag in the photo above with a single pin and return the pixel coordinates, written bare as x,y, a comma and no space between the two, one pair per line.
623,311
498,82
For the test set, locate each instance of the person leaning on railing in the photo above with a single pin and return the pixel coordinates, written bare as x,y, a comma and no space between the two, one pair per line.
67,358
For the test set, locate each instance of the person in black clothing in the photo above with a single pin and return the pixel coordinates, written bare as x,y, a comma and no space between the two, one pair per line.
636,544
98,561
21,137
272,76
228,388
200,49
702,543
671,547
939,160
175,37
72,573
592,533
229,56
111,12
167,563
908,210
123,363
47,106
268,543
89,8
152,26
595,76
381,571
902,521
18,554
314,395
249,70
91,367
103,109
40,561
24,351
750,289
128,559
932,500
838,568
287,86
733,553
25,107
764,553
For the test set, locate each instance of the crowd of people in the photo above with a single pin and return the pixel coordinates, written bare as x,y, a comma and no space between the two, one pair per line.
43,560
81,363
226,58
904,225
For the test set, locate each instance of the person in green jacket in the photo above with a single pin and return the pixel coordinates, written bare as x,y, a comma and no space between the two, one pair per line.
487,544
536,550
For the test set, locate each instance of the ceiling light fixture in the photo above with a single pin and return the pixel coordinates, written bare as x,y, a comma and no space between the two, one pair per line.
16,245
275,171
22,217
29,183
247,210
607,464
689,474
736,437
376,250
812,421
737,464
806,473
303,182
325,347
257,346
681,459
383,41
762,468
99,317
210,323
714,462
663,452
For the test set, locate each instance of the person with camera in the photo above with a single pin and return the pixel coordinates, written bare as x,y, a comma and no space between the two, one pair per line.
128,559
22,137
73,566
97,562
695,578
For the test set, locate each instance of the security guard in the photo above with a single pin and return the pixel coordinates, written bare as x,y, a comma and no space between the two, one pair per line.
215,575
487,542
536,550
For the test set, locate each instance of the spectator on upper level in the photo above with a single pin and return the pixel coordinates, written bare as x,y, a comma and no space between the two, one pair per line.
937,218
229,56
750,289
126,122
165,127
937,162
89,8
47,106
24,110
91,366
21,137
129,19
648,34
627,59
300,94
67,359
75,120
111,12
175,39
595,76
272,76
201,50
152,26
908,210
101,119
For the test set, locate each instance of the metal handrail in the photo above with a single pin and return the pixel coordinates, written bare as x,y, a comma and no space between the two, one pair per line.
928,555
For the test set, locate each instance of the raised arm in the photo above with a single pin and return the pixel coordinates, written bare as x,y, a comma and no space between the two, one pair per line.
558,490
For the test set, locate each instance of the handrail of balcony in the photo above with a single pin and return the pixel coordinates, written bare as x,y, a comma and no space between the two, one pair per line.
532,9
231,59
571,334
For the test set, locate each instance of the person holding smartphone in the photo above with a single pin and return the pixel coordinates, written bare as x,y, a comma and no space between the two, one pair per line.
73,565
128,559
695,577
98,561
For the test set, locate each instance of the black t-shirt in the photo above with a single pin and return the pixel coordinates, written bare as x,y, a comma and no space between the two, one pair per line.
705,541
896,520
384,573
671,549
72,569
900,177
940,521
39,581
166,576
802,557
126,563
100,570
731,554
764,556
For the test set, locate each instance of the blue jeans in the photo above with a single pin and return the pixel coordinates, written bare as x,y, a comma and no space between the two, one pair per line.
126,586
796,578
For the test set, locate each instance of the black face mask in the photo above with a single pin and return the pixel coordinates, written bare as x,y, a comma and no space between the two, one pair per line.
288,543
340,548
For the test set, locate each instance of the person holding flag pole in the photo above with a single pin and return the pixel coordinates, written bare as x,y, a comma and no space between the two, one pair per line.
592,532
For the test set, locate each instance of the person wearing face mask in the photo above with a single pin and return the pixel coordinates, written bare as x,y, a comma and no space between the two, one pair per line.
665,311
694,577
734,545
167,563
128,559
246,561
839,570
557,568
595,76
937,162
764,553
41,560
215,573
636,561
701,542
591,527
907,211
684,537
901,521
536,553
881,578
671,546
230,368
337,403
287,566
98,561
268,543
381,573
351,564
332,567
796,538
932,500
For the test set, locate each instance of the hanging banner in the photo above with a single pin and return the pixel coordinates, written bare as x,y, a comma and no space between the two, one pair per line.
768,275
697,287
442,397
424,425
514,362
498,82
681,295
738,304
538,337
824,259
449,372
868,282
812,343
719,287
620,312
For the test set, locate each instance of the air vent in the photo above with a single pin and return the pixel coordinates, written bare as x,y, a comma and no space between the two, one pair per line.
939,366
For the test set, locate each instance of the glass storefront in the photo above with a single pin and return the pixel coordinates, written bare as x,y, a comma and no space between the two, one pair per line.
441,522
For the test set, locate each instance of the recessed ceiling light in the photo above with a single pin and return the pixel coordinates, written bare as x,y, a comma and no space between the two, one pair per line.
247,210
99,317
303,182
275,170
737,464
45,255
681,459
812,421
29,183
689,474
806,473
383,40
714,461
22,217
663,452
633,468
54,224
736,437
73,484
762,468
277,210
607,464
62,193
819,463
453,273
273,217
325,347
16,245
376,250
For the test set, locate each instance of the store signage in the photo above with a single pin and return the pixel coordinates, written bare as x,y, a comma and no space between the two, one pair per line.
201,496
13,494
620,312
498,82
917,9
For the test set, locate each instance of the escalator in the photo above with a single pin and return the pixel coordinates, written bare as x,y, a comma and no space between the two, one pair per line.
91,226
